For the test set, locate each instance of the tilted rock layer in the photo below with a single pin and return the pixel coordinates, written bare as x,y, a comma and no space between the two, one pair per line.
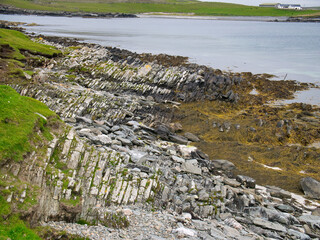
107,157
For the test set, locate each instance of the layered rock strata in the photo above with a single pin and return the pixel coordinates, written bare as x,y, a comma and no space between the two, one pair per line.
109,158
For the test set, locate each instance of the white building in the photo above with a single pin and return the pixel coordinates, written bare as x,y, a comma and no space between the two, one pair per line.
282,6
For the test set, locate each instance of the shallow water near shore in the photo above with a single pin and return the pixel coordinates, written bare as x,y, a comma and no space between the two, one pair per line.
286,50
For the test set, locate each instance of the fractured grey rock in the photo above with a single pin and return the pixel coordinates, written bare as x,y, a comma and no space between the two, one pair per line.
269,225
203,195
178,139
115,128
310,187
310,220
83,119
298,235
191,166
125,141
137,156
246,181
278,192
178,159
231,182
216,234
316,212
142,168
183,231
104,139
285,208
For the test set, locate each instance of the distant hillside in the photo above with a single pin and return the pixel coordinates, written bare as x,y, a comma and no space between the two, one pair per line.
154,6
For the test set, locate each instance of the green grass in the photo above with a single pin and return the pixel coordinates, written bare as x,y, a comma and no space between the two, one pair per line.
18,120
11,227
169,6
18,41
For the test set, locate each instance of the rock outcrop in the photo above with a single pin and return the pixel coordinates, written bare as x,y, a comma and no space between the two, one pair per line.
109,161
311,187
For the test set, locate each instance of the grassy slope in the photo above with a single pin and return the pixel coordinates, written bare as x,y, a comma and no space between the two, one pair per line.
18,116
13,228
198,8
19,128
18,120
18,41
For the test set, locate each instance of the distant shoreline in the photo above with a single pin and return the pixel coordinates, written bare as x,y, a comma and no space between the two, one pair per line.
229,18
13,10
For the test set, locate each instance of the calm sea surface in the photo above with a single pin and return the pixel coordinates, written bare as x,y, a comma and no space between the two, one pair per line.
291,49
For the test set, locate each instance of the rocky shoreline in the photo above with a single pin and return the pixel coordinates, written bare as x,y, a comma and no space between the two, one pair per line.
13,10
121,160
304,19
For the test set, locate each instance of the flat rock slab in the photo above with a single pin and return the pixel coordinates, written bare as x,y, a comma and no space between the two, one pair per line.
269,225
191,137
191,166
310,219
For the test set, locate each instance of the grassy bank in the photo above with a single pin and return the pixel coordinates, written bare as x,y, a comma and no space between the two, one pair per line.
26,125
20,117
11,227
14,46
187,7
19,42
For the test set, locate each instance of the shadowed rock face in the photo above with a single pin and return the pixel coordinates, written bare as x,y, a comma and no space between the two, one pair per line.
107,157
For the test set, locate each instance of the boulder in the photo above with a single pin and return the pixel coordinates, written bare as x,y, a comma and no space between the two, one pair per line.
278,192
178,139
191,137
231,182
163,132
246,181
310,187
223,165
